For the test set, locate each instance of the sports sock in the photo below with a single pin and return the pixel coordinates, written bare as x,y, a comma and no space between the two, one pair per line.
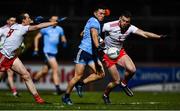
67,95
34,80
57,88
124,83
36,96
107,91
81,83
14,90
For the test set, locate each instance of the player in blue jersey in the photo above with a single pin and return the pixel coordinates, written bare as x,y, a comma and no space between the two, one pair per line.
87,54
52,36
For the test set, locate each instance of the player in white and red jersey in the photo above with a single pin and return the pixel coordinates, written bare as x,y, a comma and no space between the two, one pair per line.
10,21
115,34
8,57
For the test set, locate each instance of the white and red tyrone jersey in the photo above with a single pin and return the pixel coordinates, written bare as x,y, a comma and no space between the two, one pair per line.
113,35
2,36
14,38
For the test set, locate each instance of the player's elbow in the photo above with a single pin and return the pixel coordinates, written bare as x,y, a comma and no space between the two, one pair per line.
36,27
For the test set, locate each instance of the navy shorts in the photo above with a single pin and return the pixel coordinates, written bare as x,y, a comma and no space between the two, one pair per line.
84,57
47,56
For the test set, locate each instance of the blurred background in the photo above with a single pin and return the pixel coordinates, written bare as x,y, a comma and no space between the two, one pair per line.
151,56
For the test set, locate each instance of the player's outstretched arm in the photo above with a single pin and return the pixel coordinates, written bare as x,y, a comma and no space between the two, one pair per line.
41,25
147,34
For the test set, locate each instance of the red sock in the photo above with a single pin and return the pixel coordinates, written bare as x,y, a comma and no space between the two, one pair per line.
36,96
13,90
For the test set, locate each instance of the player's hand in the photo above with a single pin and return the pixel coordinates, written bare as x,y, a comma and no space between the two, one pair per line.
61,19
101,48
39,19
35,53
163,36
100,51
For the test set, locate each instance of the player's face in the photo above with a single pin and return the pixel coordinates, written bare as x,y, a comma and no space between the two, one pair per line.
54,19
27,20
124,21
11,21
100,13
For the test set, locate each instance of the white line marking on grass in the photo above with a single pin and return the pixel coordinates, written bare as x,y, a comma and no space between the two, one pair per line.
134,103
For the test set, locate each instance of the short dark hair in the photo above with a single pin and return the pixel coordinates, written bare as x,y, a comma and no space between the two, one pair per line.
8,17
21,17
99,6
126,14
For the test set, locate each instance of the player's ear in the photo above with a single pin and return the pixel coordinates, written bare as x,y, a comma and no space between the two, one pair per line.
120,19
95,13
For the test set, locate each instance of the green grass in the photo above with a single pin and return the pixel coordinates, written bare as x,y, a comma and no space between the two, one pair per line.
93,101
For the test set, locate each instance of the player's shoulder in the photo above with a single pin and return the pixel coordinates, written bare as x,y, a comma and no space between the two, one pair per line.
3,27
132,26
44,30
59,27
93,19
112,23
17,26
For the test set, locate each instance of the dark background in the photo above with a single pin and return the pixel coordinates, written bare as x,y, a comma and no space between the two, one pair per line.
158,16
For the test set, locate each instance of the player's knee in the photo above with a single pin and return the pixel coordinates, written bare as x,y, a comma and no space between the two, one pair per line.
102,75
26,77
132,70
45,70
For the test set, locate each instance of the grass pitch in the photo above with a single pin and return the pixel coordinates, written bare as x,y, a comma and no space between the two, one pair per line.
93,101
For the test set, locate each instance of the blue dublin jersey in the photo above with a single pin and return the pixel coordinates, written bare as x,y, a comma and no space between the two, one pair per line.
51,38
86,42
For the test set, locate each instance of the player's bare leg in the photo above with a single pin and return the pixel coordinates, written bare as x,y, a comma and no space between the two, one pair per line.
79,70
116,81
55,73
129,66
130,70
54,65
41,73
12,86
20,69
97,73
